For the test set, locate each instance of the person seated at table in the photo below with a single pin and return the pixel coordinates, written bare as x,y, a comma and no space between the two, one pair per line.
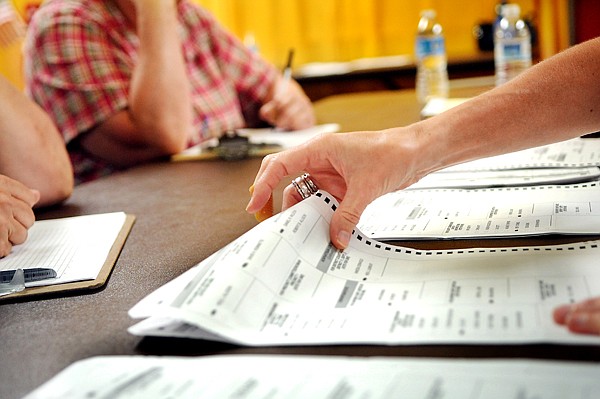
129,81
34,165
555,100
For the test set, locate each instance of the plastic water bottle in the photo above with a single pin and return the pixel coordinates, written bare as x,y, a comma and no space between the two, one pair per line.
512,44
430,51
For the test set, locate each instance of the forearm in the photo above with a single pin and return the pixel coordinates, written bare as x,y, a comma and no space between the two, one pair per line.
159,100
556,100
31,149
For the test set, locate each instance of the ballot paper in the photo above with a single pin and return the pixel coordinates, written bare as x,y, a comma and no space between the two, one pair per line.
492,212
508,177
283,283
300,377
578,152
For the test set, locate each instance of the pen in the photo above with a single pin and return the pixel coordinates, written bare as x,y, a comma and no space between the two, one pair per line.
34,274
287,71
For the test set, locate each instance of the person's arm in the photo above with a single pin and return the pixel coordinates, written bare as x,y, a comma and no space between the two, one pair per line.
264,94
32,151
555,100
158,119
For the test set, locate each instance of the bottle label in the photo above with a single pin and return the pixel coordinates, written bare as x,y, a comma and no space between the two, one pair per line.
428,46
516,51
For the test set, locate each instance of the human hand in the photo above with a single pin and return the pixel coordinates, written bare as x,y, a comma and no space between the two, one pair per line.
355,168
582,317
16,214
289,108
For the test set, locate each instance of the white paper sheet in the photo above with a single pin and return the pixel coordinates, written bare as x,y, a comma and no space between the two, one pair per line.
287,139
75,247
301,377
506,178
576,152
282,283
492,212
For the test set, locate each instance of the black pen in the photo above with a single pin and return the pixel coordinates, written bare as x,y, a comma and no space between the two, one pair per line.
287,72
34,274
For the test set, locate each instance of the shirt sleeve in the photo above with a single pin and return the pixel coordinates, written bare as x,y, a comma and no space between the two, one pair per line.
75,70
250,74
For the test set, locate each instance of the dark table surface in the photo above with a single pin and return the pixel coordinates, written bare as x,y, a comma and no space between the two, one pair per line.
186,211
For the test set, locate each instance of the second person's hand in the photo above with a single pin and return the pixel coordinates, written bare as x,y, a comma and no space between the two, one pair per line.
289,108
16,213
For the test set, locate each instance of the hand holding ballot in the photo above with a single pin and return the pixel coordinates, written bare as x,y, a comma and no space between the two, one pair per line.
360,167
548,103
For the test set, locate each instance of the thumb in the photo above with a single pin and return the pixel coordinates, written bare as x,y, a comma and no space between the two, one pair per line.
268,112
36,196
345,219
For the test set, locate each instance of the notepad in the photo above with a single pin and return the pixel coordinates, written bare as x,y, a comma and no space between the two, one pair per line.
81,249
283,283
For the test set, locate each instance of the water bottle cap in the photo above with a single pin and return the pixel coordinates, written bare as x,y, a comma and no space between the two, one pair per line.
510,10
428,13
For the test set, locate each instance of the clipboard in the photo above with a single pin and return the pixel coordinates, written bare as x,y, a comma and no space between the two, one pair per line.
251,143
96,283
230,147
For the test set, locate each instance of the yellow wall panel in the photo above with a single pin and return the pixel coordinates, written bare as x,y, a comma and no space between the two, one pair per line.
342,30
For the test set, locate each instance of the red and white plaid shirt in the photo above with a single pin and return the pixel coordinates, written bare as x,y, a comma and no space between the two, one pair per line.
80,55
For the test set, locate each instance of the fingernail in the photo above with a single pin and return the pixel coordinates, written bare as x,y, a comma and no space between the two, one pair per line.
343,238
266,211
562,311
251,189
578,321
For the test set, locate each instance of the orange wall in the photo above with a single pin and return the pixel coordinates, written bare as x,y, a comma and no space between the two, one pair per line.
342,30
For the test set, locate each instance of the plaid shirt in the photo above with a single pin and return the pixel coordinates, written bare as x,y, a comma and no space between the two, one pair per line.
80,56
